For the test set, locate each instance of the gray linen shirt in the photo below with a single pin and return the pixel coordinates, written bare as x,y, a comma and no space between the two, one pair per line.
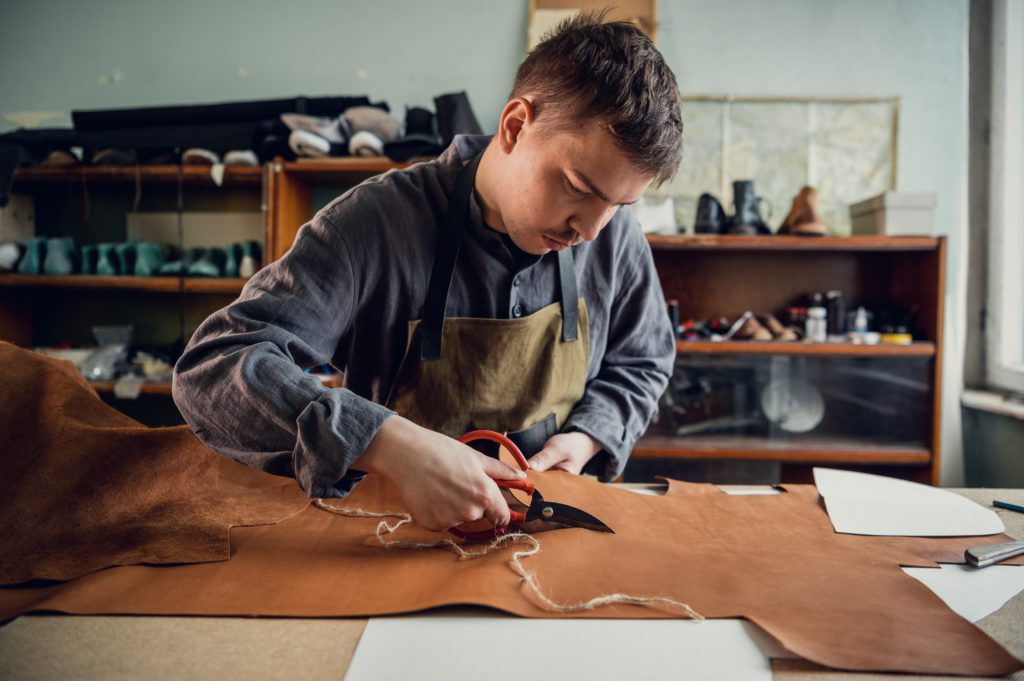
344,294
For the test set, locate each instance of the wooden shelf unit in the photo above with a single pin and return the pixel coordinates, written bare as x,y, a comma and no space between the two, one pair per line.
916,349
158,284
129,174
716,276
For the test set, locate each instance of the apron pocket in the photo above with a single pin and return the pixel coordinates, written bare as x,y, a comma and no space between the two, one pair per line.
531,440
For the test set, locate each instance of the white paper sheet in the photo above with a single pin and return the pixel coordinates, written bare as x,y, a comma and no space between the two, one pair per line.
467,647
859,503
973,593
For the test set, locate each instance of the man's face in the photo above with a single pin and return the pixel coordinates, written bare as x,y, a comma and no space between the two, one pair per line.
562,187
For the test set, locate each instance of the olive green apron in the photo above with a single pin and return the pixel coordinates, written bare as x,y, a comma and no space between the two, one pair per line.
520,377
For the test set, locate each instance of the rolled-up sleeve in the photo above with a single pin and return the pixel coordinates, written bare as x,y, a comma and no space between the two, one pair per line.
620,401
240,384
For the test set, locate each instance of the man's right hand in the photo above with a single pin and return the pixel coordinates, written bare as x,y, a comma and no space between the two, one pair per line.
442,481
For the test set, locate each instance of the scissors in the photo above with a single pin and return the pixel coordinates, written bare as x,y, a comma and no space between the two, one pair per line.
539,508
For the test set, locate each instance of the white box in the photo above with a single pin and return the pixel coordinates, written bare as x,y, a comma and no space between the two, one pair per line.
894,214
18,219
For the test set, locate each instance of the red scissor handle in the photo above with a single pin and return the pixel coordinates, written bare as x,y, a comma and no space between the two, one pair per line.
501,440
522,485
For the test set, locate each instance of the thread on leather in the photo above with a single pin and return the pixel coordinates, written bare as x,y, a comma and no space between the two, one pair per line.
528,577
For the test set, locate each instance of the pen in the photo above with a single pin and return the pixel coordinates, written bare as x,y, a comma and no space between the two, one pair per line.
1008,506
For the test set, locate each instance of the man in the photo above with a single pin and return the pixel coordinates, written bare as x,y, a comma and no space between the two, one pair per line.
504,286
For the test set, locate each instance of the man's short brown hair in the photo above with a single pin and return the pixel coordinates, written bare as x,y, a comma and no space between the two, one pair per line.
613,74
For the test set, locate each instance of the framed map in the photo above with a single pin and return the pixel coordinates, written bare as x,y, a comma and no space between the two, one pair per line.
846,148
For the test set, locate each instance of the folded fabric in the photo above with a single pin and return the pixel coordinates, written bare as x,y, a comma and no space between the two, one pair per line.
241,157
365,143
85,487
371,119
199,157
331,129
311,145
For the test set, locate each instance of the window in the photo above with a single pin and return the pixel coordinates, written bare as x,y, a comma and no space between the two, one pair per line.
1005,305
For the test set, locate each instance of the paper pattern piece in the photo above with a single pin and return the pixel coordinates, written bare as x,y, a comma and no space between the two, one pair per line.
860,503
556,650
971,592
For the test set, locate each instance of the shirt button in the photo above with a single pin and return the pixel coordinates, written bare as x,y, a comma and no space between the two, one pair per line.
515,281
517,310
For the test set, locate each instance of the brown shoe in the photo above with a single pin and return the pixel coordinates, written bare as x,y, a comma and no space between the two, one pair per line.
752,330
778,330
804,218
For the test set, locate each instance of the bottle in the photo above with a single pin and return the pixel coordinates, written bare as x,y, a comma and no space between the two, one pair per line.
860,321
817,324
836,315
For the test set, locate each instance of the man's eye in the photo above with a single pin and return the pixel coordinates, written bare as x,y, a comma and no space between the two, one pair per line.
576,190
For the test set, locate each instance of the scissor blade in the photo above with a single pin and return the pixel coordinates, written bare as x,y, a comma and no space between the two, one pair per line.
569,515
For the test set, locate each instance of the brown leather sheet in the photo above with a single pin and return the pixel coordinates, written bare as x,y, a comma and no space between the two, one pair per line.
838,600
85,487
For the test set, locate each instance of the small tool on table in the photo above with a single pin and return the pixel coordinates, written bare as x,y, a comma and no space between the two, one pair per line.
539,509
983,556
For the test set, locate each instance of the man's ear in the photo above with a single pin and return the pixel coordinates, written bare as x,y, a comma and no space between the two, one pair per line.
517,114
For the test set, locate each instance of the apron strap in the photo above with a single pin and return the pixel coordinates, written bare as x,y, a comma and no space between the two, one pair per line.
443,271
449,244
570,297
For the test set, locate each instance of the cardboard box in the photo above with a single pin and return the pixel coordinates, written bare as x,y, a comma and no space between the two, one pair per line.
18,219
894,214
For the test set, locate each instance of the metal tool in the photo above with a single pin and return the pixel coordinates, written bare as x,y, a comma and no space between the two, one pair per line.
983,556
539,509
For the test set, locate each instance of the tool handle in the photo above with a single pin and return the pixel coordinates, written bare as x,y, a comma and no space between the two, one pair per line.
521,485
983,556
501,440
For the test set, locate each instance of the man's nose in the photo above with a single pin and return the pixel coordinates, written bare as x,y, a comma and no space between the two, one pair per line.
589,222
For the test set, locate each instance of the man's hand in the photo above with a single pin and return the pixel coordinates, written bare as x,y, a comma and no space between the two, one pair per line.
442,481
566,452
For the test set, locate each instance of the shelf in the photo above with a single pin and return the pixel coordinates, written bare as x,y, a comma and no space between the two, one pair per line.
685,242
116,174
329,381
344,169
158,284
917,349
796,450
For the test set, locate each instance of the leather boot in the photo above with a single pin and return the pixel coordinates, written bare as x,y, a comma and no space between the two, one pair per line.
804,218
149,257
711,216
210,264
35,254
107,260
126,256
252,255
747,220
61,257
90,255
234,252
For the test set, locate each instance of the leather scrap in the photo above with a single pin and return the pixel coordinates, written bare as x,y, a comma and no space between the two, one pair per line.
85,487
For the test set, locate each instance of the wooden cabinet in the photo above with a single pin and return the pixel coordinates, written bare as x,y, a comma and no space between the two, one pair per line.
91,205
879,404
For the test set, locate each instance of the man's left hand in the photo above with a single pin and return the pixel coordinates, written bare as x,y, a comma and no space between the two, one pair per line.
566,452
